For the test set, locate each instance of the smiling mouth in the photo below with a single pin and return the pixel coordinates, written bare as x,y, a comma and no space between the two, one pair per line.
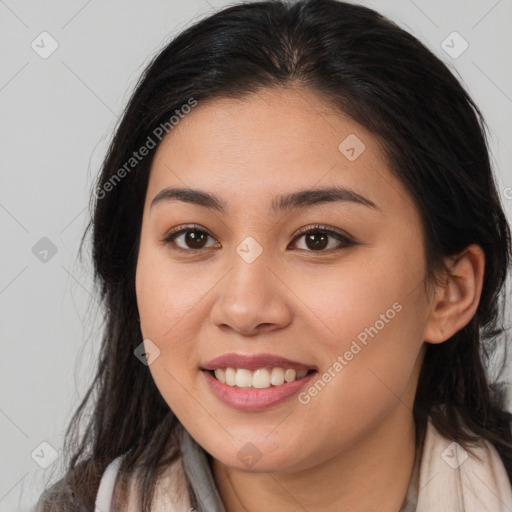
259,379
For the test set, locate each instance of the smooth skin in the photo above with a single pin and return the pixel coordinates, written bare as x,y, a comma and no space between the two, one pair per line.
352,447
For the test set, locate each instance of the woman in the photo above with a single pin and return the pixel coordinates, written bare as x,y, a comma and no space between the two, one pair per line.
301,251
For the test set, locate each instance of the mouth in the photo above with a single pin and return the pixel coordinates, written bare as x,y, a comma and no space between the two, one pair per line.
261,378
258,371
253,382
272,386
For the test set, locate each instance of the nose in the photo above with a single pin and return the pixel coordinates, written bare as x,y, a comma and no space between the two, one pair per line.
252,298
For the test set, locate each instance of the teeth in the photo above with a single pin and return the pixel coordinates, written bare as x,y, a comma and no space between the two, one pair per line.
277,376
260,379
230,376
243,378
221,375
290,375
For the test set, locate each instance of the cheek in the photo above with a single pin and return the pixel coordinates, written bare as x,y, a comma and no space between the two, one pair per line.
376,289
170,299
166,294
372,316
163,307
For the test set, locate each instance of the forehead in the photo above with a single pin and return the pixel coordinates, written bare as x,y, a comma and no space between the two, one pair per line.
270,143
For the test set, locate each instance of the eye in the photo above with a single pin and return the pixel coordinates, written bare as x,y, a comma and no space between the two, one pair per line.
192,238
317,239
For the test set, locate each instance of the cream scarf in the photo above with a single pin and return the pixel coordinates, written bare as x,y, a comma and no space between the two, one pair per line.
449,480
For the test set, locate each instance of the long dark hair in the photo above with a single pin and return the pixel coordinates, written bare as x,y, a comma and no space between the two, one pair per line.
435,138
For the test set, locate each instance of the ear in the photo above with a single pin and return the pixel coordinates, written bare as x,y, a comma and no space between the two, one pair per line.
456,298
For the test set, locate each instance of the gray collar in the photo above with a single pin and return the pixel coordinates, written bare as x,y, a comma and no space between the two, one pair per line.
205,496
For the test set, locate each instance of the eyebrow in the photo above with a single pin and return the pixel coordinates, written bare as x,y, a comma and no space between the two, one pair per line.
285,202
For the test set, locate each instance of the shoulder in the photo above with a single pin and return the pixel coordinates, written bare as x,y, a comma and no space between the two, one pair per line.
56,498
60,496
475,476
107,484
171,490
479,453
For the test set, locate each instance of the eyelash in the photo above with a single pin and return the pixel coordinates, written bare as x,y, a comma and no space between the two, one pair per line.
345,241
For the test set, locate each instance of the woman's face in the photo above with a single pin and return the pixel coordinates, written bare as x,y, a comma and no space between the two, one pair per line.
243,280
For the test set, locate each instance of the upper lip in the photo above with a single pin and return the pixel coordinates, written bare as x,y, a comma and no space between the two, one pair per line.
254,362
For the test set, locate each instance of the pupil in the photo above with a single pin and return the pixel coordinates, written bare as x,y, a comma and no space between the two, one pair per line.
194,239
319,241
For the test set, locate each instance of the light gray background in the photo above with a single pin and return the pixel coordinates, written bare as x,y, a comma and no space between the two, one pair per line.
57,116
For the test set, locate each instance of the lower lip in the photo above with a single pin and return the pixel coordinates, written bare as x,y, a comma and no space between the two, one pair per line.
253,399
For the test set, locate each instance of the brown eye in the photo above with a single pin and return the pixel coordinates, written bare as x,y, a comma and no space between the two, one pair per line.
195,239
317,239
189,238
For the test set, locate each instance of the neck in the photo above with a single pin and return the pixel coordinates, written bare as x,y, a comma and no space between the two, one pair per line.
373,474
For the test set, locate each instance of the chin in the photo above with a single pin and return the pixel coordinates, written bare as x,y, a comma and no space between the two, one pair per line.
251,460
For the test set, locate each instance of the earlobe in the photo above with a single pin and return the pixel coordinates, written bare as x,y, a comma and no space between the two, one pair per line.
456,299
